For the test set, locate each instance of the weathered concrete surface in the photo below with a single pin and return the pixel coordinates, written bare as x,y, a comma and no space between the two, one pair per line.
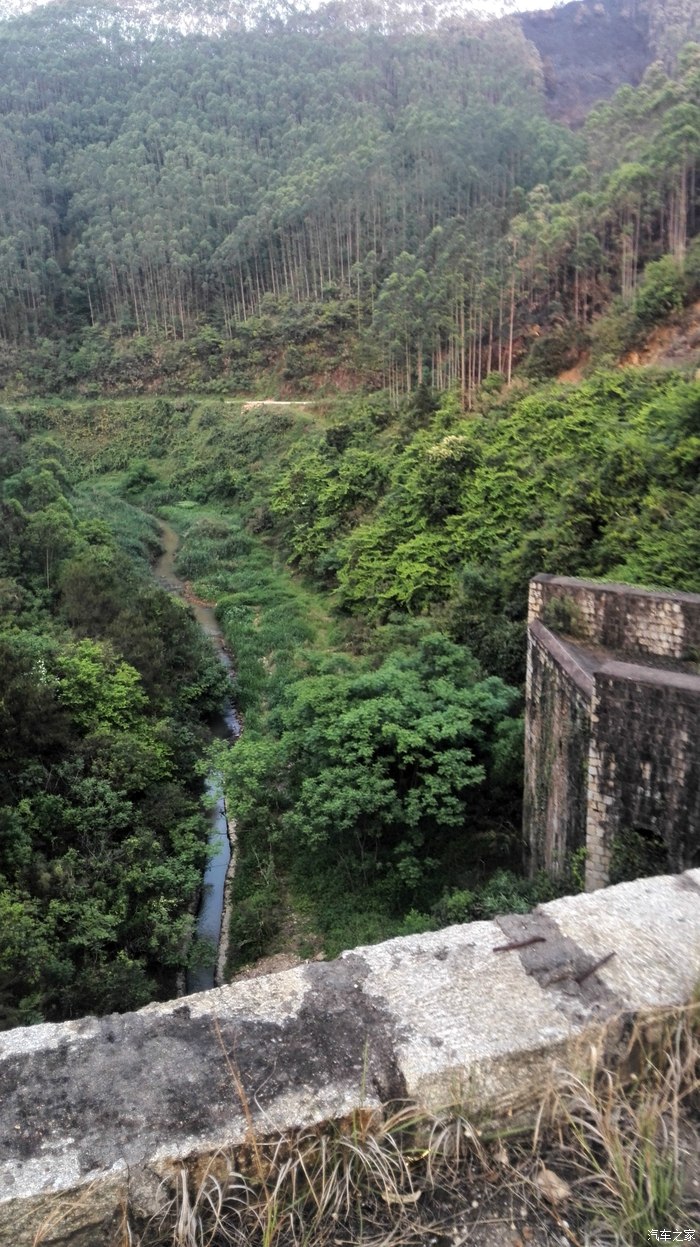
94,1112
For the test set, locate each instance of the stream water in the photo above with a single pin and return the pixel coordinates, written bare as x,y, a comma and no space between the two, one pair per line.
226,726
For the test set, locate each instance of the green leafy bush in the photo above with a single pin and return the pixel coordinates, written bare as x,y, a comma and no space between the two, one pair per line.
636,854
662,291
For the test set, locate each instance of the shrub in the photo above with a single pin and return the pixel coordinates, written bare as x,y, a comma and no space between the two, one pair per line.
692,268
636,854
662,291
614,334
562,614
554,352
140,475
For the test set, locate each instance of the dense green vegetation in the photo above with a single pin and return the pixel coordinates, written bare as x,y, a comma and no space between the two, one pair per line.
375,776
106,686
370,568
335,193
312,202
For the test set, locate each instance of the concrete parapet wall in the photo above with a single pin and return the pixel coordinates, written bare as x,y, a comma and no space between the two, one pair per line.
96,1112
624,618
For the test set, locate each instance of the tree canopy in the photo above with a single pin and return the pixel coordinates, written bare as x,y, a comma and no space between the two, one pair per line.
106,686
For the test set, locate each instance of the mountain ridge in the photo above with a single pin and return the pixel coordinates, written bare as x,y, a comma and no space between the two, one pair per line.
588,51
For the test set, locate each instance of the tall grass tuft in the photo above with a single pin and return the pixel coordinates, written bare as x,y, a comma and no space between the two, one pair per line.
627,1134
619,1141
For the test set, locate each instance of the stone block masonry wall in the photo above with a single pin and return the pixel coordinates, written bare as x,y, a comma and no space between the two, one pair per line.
612,723
557,738
625,619
96,1112
644,765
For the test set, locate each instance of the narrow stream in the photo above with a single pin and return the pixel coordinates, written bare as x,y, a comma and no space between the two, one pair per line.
226,726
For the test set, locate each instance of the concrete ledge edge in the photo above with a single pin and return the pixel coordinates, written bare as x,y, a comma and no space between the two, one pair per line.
480,1015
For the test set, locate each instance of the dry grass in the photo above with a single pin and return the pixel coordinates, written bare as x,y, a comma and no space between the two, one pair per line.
613,1156
314,1188
619,1139
628,1137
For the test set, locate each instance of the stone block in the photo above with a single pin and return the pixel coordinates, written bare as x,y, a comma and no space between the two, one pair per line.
95,1111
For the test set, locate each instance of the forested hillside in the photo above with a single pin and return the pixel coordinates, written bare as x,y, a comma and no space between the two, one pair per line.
335,193
372,207
589,50
370,568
